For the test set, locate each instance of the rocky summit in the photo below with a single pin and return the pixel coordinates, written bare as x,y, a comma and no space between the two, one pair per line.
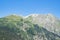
32,27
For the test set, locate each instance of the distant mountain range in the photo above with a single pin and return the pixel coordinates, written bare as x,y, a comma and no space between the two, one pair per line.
32,27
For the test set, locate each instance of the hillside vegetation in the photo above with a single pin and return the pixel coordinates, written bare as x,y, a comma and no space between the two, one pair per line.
15,27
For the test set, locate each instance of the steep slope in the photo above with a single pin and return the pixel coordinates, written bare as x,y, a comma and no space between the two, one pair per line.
48,21
15,27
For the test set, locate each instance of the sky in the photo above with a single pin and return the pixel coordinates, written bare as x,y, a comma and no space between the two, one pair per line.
26,7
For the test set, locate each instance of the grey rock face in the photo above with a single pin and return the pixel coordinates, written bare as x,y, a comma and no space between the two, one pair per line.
48,21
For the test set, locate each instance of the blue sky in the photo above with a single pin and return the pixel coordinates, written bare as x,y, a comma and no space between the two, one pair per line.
26,7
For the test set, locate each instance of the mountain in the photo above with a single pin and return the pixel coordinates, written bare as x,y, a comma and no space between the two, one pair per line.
32,27
48,21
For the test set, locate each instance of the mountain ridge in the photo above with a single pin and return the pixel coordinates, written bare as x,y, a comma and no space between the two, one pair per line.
33,27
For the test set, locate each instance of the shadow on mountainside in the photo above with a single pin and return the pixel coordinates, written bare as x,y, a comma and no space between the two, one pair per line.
47,34
10,34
